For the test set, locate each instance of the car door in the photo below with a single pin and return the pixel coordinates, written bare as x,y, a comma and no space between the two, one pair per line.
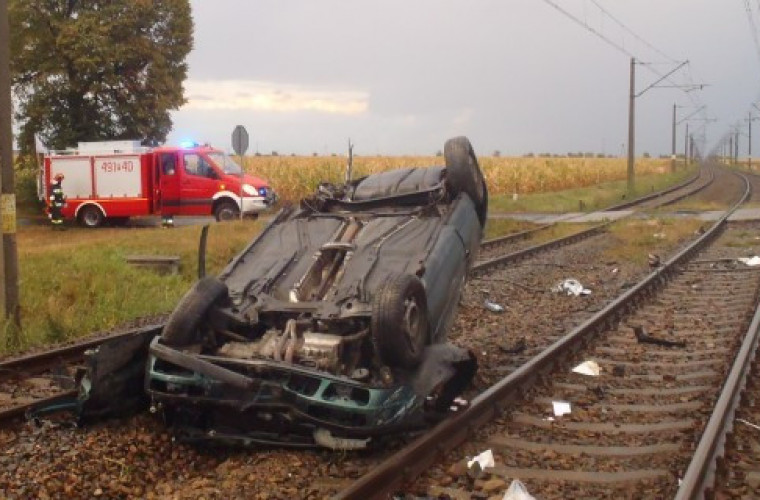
168,197
198,184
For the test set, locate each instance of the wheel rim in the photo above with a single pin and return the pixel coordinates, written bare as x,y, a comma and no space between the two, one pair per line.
226,214
412,322
91,218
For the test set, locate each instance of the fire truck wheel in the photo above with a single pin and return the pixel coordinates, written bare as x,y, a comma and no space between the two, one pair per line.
91,216
226,210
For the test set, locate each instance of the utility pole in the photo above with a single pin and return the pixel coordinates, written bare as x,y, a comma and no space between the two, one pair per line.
686,146
7,187
736,146
631,126
749,141
632,117
673,151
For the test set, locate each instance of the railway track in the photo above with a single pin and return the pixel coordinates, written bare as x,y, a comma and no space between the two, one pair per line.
631,431
556,322
512,244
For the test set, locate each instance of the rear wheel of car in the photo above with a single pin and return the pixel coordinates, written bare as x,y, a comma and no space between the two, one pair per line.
182,326
91,216
463,174
399,321
226,210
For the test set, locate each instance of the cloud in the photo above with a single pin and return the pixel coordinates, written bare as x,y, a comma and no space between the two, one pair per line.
215,95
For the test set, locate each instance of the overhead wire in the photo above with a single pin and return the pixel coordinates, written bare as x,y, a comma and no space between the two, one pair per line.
753,26
687,75
632,33
586,26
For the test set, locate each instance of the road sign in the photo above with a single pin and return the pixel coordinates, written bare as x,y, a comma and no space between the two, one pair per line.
240,140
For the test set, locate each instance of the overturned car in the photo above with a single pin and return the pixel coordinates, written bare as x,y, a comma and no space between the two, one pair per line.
330,328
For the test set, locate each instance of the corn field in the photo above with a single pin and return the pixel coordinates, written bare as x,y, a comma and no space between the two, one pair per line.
293,177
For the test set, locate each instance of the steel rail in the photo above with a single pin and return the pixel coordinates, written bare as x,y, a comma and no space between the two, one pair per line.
36,363
651,196
699,479
412,460
41,361
490,263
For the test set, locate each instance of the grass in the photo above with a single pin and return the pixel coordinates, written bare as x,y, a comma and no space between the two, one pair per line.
501,227
77,282
636,238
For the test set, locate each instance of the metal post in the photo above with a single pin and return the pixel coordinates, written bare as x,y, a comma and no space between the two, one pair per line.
736,146
7,187
686,146
749,144
673,154
631,127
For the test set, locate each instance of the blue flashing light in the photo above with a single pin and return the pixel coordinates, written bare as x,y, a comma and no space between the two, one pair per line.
187,144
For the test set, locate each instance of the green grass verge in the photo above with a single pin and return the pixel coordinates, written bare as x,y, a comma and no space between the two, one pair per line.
77,282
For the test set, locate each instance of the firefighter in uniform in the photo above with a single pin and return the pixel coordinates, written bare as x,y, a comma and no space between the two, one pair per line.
57,202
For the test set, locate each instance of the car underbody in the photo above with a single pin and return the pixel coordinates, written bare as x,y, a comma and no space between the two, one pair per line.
328,330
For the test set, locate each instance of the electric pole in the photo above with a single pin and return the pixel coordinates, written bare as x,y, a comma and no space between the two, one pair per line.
632,117
631,126
673,151
7,187
749,142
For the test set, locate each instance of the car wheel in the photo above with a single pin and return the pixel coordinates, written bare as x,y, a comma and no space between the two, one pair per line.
226,210
400,321
91,216
463,174
182,326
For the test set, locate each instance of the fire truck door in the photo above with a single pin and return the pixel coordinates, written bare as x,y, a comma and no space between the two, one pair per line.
167,198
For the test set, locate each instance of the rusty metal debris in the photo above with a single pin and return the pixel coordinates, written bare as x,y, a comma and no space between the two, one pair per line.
644,338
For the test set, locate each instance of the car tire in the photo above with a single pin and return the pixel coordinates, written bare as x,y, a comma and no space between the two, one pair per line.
226,211
182,326
91,216
463,174
399,323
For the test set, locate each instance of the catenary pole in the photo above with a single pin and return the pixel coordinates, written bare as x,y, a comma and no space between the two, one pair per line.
749,143
631,126
7,187
673,153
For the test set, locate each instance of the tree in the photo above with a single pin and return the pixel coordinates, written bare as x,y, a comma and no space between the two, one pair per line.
97,69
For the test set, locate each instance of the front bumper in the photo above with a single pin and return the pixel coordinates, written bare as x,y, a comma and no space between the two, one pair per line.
256,204
264,401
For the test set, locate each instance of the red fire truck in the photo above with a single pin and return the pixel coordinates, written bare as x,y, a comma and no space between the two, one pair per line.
116,180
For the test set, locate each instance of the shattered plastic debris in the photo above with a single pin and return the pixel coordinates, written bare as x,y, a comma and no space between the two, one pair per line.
561,408
493,306
750,261
590,368
571,286
517,491
485,460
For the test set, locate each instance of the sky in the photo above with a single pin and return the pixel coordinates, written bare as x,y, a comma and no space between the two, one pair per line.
515,76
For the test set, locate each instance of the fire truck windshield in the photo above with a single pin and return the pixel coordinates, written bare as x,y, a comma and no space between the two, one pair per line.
226,163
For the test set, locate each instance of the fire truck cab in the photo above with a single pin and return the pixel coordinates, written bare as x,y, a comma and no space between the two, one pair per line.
117,180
